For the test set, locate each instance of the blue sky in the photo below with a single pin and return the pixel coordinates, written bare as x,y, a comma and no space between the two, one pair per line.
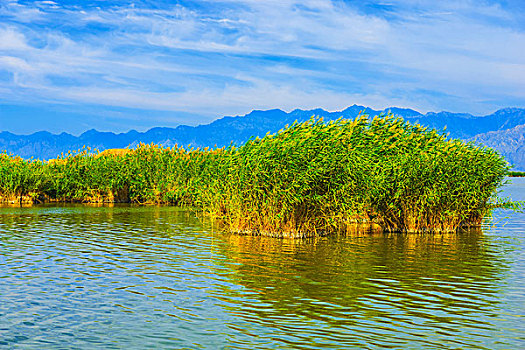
119,65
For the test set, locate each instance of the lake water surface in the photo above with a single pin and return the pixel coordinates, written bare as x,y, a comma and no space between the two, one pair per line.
134,277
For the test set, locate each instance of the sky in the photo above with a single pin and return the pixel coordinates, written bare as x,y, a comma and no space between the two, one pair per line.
70,66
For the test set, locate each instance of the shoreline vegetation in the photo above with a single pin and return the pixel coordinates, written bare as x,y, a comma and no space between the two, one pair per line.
311,178
516,173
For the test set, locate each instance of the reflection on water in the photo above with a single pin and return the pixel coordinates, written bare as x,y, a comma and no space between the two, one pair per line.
158,277
383,290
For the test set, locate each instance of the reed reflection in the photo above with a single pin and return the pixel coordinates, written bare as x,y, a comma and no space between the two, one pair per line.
397,284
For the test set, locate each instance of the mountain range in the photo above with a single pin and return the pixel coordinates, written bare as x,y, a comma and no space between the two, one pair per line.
503,130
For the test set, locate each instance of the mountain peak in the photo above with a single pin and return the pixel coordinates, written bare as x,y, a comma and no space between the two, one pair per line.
403,112
509,110
354,108
89,132
272,113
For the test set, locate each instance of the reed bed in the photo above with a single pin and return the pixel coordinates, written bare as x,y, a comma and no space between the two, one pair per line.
310,178
516,173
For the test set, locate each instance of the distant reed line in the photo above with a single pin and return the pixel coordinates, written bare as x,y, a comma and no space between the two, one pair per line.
310,178
517,173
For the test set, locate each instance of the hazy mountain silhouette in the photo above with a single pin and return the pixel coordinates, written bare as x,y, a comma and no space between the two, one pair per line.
502,130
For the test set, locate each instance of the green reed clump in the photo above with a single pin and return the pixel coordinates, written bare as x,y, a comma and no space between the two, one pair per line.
310,178
299,181
422,181
323,177
20,180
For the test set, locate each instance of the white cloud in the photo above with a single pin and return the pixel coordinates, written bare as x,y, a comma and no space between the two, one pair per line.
20,13
234,56
15,64
10,39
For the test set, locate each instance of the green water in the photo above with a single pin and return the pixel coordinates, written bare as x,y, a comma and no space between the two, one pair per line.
158,277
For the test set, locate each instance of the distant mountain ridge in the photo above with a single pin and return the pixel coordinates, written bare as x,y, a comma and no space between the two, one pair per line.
509,142
502,130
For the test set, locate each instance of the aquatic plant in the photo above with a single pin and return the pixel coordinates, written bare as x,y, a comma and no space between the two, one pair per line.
517,173
20,180
310,178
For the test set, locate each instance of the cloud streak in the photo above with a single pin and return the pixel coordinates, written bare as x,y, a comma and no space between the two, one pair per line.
228,57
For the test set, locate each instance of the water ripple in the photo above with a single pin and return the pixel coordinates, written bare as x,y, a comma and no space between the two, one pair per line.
158,277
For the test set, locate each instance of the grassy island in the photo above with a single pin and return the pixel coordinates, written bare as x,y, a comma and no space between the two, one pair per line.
310,178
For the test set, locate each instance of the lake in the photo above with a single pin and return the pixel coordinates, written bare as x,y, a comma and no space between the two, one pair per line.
150,277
